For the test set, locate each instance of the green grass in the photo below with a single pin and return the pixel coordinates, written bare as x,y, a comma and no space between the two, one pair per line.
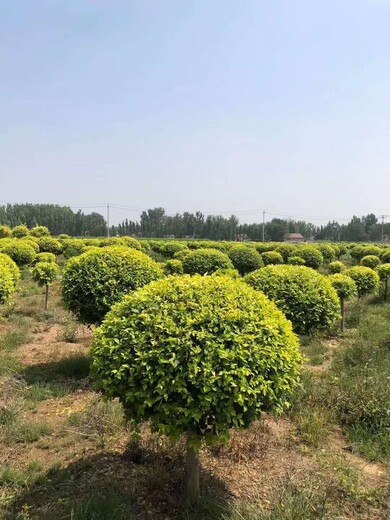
12,476
99,507
314,349
40,391
19,431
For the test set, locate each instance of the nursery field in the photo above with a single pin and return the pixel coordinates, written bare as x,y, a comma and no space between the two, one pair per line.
321,451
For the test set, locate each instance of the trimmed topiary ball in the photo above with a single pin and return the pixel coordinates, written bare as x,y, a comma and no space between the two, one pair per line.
196,355
20,252
8,263
45,257
344,285
73,247
95,280
336,267
131,242
173,266
50,245
295,260
112,241
245,259
366,279
306,297
383,271
312,256
287,251
371,261
40,231
371,250
7,284
385,255
205,261
328,252
271,258
20,231
5,231
170,248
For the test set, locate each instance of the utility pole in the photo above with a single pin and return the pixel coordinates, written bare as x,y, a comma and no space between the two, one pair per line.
108,220
263,225
383,227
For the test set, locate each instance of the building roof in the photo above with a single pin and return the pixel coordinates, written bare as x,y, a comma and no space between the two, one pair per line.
293,235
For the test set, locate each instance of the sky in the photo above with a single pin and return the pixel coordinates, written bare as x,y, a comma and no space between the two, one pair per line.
220,106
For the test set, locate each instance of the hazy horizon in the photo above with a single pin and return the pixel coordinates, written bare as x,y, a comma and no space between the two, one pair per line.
222,107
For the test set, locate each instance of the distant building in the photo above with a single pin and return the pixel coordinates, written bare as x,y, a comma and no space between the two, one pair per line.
293,238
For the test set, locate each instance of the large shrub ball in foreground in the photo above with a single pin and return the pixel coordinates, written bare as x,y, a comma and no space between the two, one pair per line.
371,261
306,297
311,255
8,263
20,252
205,261
95,280
366,279
7,285
196,355
271,258
50,245
245,259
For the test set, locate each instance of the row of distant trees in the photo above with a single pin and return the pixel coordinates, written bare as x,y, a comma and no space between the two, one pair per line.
156,223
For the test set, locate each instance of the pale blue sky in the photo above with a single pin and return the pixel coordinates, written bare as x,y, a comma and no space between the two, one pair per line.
211,105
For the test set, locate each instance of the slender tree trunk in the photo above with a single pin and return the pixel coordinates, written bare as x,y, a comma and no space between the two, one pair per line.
47,297
342,314
192,472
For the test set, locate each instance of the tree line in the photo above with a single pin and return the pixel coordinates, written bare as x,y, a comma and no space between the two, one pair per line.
157,224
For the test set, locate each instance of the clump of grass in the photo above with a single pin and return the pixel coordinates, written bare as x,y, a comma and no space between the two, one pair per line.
9,365
314,349
18,431
100,507
68,331
40,391
12,476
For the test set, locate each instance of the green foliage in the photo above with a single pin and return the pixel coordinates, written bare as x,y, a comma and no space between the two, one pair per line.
344,285
170,248
112,241
20,252
31,241
6,261
371,250
40,231
50,245
383,271
286,250
328,252
245,259
44,273
385,255
232,273
7,285
306,297
357,252
295,260
336,267
367,280
180,255
45,257
271,258
262,247
73,247
95,280
131,242
205,261
312,256
371,261
199,354
20,231
173,266
5,231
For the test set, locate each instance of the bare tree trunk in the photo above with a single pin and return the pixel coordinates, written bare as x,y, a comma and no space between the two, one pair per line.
192,472
47,297
342,314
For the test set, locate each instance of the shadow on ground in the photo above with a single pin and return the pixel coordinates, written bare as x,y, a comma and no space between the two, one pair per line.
137,484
